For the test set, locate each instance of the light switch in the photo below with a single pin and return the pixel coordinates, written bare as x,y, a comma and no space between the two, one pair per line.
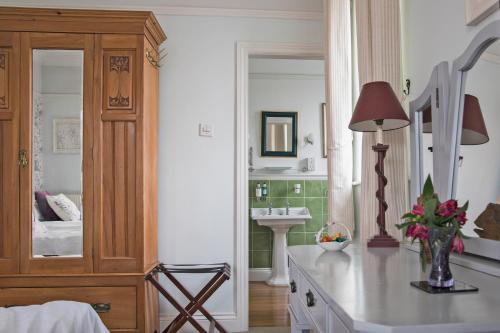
206,130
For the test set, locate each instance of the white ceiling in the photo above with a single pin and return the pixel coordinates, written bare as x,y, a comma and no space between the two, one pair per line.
274,5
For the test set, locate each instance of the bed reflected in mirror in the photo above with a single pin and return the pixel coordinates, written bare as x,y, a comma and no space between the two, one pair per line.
57,153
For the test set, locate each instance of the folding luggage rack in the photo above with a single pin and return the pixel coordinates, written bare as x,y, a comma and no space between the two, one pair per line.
222,273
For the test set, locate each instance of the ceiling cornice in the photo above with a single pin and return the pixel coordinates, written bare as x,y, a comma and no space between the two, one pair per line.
181,11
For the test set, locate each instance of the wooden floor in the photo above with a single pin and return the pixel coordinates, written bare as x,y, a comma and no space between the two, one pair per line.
268,306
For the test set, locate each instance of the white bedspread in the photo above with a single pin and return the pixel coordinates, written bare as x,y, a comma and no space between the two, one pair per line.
62,238
52,317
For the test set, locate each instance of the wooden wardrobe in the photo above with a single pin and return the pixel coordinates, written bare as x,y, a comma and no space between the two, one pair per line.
119,163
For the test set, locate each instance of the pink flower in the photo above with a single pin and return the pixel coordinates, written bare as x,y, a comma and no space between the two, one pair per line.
461,218
422,232
458,245
417,231
410,231
448,208
418,210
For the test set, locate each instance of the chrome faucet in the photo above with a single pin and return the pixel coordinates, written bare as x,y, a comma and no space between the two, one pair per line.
288,208
270,207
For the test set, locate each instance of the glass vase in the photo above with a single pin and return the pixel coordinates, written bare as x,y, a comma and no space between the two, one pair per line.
440,242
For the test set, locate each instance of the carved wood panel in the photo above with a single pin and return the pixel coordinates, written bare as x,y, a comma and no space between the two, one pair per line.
118,80
118,190
4,79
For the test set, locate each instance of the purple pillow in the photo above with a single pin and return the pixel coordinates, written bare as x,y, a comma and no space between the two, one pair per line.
44,208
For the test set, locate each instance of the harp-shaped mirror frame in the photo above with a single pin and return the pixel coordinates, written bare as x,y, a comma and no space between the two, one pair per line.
435,95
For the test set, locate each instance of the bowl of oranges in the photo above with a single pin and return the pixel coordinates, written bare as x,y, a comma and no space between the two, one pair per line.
334,237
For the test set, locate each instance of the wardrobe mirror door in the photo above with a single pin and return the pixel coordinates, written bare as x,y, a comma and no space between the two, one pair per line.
479,161
57,114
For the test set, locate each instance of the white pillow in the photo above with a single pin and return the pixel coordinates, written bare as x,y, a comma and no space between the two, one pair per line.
63,207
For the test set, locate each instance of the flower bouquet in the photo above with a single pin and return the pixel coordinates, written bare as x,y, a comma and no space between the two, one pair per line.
438,225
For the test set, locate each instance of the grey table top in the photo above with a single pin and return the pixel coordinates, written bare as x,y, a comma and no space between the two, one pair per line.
369,289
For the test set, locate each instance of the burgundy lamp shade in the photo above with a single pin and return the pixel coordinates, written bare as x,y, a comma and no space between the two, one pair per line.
474,130
377,101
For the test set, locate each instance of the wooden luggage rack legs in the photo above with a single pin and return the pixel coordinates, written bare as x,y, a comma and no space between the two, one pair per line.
222,273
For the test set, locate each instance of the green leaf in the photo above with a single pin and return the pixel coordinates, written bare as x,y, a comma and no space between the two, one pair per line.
428,188
405,224
407,216
430,209
465,206
423,257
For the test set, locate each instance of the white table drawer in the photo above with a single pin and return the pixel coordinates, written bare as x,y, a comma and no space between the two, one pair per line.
314,305
294,275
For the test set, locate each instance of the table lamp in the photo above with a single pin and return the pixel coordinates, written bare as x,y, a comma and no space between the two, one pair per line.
377,110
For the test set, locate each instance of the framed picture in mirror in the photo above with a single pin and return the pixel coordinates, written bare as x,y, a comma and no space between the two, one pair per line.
67,136
279,134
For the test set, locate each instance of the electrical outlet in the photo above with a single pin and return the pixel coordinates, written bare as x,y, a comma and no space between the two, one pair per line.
206,130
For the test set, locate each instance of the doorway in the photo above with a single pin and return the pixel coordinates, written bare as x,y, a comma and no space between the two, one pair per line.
267,69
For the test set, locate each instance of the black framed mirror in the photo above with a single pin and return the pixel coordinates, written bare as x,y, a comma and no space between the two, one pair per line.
279,134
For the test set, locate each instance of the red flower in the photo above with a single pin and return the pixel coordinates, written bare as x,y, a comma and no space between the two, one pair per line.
410,231
461,218
448,208
458,245
418,210
417,231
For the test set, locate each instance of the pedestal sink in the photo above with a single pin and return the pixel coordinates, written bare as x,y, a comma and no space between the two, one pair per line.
280,222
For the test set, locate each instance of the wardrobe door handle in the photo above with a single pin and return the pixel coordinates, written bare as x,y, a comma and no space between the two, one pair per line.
23,158
101,307
310,299
293,287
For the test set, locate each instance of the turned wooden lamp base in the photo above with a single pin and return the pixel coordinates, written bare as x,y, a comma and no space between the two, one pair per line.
383,241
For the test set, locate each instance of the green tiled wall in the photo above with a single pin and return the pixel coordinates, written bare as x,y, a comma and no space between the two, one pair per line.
313,195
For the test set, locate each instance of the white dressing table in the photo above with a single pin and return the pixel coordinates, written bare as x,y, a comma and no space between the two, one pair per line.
368,290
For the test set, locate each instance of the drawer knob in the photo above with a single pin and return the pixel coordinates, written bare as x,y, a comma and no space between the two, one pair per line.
101,307
293,287
310,299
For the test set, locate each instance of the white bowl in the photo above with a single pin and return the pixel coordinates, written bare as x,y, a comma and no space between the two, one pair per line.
334,246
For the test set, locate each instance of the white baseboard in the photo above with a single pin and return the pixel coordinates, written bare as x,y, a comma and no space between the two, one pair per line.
228,320
259,274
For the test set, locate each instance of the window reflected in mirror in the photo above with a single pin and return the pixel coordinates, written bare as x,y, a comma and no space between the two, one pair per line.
279,134
57,115
479,165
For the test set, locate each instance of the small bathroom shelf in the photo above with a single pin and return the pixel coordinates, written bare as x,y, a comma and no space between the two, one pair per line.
277,169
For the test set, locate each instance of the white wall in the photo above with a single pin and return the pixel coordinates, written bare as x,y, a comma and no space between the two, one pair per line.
61,98
435,31
197,174
288,85
60,90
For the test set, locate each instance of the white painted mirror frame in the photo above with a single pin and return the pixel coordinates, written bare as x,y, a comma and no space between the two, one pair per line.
436,94
484,38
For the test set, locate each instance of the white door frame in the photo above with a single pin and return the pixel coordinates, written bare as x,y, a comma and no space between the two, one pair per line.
244,50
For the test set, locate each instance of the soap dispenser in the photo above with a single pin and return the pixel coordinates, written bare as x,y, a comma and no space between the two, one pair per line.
258,192
264,191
